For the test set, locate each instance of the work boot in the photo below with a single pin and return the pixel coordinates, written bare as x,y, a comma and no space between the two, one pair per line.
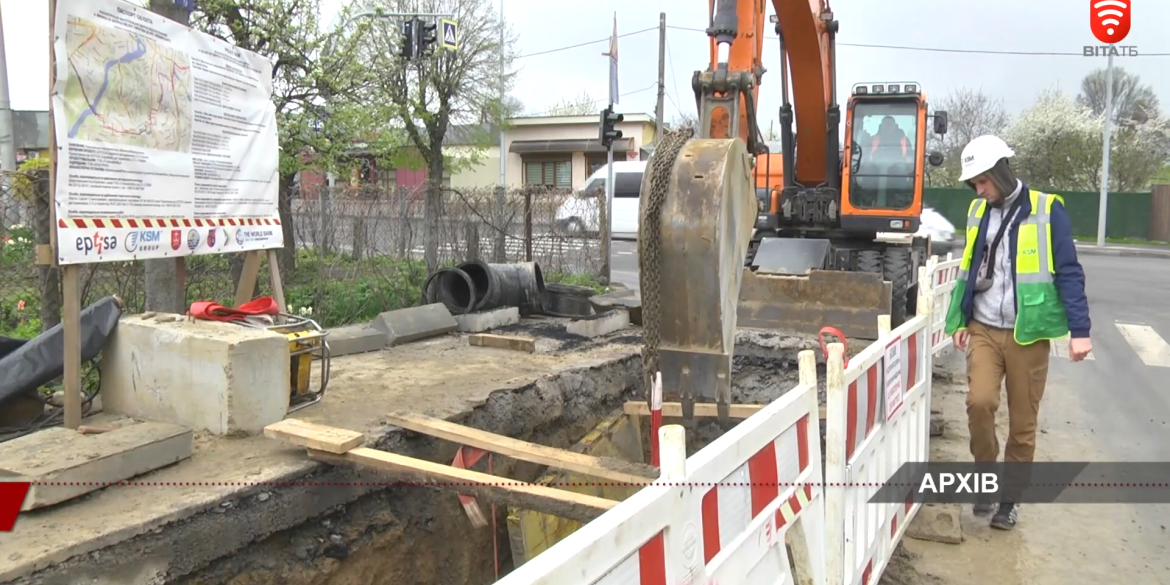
983,509
1005,517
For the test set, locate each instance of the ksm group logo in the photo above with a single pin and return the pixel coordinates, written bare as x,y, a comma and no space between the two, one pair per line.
143,241
1109,20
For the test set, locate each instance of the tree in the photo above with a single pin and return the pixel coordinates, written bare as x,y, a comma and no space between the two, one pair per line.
971,113
425,96
316,76
1058,144
1133,101
581,105
684,121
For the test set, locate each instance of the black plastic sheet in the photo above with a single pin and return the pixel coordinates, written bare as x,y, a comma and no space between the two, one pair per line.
26,365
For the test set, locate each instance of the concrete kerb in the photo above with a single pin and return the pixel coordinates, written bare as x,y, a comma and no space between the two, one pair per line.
1132,252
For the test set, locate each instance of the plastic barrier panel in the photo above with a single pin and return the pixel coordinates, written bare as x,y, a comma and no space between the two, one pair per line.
749,508
877,418
939,279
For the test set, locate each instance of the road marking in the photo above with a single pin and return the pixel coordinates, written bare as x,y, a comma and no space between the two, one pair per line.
1149,346
1060,348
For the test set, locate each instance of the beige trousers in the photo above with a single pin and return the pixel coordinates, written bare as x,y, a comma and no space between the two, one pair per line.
992,356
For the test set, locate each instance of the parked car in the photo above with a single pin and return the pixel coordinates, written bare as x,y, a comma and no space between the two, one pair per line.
940,230
579,213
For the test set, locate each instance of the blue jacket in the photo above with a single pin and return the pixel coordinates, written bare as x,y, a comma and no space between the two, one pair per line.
1070,277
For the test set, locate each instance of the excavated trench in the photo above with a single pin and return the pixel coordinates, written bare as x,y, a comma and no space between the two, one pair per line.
423,536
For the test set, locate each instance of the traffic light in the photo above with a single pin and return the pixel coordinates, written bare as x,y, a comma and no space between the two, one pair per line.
608,120
428,36
408,49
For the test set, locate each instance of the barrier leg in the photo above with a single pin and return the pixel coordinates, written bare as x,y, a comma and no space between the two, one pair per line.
806,539
836,414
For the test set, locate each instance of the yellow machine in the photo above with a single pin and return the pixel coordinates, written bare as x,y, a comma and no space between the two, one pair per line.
307,342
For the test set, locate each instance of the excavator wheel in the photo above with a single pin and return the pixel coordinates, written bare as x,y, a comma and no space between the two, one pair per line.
896,266
869,261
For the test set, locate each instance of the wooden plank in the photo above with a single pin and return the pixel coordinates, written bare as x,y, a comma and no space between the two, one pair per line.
512,342
702,410
473,483
603,467
71,323
248,277
314,436
277,283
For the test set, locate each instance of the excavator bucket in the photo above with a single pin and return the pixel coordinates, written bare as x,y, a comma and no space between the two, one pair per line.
698,210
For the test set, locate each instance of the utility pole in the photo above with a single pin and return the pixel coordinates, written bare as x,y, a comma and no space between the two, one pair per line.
608,135
7,140
1101,212
166,277
500,251
658,111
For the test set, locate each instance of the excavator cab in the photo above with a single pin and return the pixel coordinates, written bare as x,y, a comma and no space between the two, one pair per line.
884,159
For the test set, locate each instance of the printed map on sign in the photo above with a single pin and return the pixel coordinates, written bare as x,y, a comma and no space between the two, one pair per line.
125,88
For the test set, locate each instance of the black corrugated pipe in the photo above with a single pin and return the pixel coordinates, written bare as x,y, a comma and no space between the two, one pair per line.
486,286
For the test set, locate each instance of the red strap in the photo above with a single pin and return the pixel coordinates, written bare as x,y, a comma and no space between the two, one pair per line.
841,337
213,311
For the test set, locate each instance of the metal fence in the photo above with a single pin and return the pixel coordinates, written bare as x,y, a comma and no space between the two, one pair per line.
356,251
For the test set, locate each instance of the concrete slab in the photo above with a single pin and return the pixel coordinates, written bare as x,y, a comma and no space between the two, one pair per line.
626,298
64,464
353,339
937,523
217,377
234,493
615,320
407,325
478,322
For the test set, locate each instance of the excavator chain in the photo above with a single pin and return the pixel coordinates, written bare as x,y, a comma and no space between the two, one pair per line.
698,209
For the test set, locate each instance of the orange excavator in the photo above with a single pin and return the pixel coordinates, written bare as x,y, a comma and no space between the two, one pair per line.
820,234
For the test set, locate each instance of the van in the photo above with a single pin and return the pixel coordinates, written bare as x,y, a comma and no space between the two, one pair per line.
579,213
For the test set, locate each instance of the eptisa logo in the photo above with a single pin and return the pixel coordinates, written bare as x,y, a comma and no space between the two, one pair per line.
1109,20
193,239
143,241
97,243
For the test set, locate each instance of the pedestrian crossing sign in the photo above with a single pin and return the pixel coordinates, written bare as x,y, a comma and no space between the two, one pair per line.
450,34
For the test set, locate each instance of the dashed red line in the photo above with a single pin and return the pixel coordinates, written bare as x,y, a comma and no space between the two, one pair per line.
553,484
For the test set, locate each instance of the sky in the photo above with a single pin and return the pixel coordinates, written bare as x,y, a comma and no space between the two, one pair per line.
949,34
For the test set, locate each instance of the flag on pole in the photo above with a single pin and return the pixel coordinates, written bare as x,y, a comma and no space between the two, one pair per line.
613,63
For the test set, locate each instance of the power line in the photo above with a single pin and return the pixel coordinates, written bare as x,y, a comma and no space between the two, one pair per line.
945,50
587,43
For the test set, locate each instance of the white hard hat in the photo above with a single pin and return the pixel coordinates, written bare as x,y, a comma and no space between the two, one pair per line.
981,154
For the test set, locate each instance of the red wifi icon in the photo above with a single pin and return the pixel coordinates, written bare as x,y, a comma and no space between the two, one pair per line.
1109,20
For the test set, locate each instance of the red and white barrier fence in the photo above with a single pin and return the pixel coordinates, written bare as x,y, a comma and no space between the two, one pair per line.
877,418
936,281
725,515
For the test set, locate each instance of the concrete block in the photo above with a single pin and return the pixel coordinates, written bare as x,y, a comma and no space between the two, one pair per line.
64,464
415,323
626,298
217,377
355,339
477,322
937,523
601,324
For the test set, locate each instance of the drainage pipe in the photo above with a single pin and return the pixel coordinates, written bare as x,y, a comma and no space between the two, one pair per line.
493,286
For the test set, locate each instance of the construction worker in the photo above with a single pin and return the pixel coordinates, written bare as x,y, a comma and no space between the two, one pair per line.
1019,286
